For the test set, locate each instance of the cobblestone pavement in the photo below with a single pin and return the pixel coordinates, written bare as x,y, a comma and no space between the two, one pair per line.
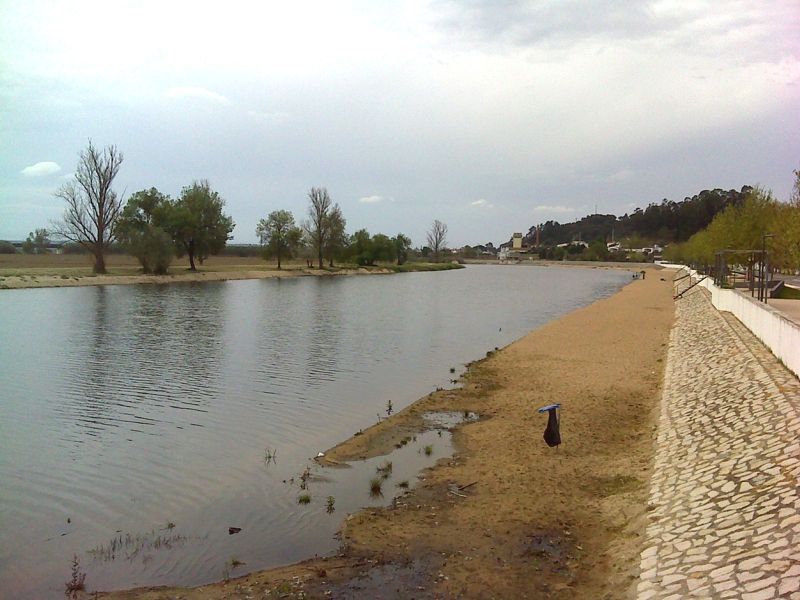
725,493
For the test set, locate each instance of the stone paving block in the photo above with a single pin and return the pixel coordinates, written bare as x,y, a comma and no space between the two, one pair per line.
726,522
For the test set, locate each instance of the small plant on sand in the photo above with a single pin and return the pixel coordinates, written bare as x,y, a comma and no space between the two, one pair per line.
375,487
329,505
78,581
428,450
304,499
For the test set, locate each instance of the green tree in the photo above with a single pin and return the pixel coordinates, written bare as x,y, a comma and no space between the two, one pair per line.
37,242
383,249
92,206
360,248
7,247
197,224
402,247
597,250
140,228
336,237
278,234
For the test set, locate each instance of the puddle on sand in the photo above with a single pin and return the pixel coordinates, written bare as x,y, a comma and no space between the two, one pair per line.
354,488
387,581
448,419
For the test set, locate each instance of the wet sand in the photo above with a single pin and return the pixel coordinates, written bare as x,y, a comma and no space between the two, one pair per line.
507,516
39,281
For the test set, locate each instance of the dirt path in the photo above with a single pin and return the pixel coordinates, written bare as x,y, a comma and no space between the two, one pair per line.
536,522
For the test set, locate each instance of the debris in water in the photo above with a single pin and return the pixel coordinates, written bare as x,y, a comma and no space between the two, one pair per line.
232,530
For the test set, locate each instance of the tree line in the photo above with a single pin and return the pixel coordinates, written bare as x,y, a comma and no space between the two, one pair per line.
665,222
155,228
759,221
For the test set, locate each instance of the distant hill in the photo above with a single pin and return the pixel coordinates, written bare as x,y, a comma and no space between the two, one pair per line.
665,222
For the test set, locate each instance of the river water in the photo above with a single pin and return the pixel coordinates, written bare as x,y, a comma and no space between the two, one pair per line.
135,420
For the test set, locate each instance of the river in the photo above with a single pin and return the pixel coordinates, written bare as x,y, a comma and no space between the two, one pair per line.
135,421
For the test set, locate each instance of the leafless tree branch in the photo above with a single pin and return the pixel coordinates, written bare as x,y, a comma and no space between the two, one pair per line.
92,207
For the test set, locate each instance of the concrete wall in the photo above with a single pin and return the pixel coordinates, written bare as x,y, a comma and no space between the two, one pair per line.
778,333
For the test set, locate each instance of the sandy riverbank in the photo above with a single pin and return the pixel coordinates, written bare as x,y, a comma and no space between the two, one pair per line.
37,271
38,281
537,522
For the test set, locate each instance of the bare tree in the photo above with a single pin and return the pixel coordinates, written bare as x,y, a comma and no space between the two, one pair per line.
316,227
92,206
437,237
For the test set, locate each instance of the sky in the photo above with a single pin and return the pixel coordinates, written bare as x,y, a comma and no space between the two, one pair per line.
489,115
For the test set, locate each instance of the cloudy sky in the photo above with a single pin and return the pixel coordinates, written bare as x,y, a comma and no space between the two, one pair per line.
490,115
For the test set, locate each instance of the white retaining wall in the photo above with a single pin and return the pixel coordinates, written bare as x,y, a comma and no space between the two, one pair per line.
778,333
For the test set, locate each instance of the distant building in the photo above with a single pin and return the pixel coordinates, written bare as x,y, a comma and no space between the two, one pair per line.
516,241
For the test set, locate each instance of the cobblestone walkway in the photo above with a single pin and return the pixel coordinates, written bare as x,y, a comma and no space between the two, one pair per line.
725,493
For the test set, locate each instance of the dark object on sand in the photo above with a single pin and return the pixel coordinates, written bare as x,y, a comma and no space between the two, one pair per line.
232,530
552,434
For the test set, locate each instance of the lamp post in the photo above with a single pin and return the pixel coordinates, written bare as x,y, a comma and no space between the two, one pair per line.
764,267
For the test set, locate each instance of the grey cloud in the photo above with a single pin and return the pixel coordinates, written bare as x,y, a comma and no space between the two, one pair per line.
768,31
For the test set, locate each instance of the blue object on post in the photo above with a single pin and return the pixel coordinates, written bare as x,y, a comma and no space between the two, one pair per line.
552,433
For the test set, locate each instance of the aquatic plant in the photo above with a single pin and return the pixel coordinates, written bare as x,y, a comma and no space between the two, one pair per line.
78,581
131,545
389,407
452,369
304,499
385,470
428,450
329,505
375,487
403,484
304,478
270,455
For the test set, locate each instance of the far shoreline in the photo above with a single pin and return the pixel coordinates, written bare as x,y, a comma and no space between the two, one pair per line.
49,271
34,277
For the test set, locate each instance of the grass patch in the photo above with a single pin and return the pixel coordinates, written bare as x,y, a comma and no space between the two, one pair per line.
376,487
788,293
